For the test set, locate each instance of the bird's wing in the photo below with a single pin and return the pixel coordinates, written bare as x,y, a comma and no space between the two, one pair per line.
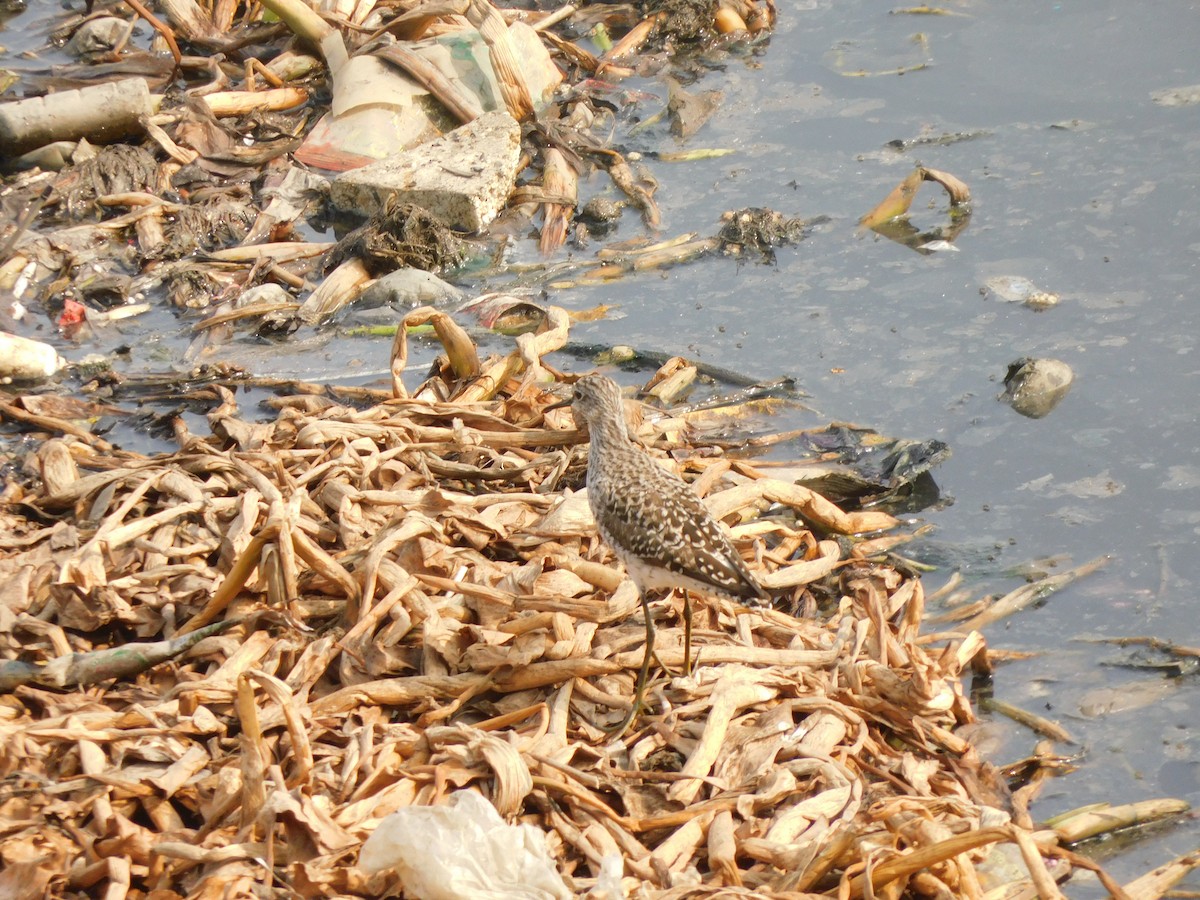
663,525
711,551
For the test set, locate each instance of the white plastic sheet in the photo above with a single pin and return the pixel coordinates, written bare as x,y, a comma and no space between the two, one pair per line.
463,850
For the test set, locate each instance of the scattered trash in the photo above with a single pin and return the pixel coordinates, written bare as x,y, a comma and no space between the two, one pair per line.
867,468
101,113
376,112
401,234
1015,289
1037,591
506,313
126,661
98,37
601,213
1073,125
463,849
1180,96
24,359
560,184
1107,818
870,59
1033,387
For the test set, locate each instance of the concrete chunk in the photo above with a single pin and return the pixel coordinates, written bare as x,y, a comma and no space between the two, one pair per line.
464,177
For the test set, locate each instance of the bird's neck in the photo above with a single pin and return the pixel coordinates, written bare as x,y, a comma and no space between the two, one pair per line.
608,436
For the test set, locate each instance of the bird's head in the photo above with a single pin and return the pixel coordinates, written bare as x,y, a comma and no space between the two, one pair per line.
594,399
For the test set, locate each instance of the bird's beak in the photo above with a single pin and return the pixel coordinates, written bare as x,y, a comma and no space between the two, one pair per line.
559,405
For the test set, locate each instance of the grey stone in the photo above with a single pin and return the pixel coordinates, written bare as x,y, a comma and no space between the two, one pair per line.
464,177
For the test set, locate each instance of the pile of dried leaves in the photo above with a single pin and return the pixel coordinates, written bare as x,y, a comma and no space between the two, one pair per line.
356,611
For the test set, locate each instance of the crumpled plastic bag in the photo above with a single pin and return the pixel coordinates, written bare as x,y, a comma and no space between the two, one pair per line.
463,850
608,885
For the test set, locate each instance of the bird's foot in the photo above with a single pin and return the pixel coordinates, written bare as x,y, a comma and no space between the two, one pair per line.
636,707
619,729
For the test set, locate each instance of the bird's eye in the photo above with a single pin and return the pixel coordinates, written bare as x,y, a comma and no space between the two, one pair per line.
578,394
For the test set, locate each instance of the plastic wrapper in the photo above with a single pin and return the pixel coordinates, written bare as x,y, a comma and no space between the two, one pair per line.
463,849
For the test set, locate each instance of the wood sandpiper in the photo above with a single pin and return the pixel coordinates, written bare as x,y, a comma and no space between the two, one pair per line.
653,521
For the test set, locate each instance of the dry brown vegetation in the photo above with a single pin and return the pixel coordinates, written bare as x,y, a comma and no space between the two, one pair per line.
373,608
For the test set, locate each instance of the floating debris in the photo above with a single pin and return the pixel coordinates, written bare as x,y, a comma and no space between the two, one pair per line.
1015,289
898,202
758,231
1033,387
1180,96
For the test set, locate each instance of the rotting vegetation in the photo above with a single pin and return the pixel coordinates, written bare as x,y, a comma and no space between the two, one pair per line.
226,665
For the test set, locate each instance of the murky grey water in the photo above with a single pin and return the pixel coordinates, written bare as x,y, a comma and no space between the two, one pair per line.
1102,212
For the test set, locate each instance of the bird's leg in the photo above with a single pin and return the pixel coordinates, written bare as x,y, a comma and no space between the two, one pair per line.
687,634
643,674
